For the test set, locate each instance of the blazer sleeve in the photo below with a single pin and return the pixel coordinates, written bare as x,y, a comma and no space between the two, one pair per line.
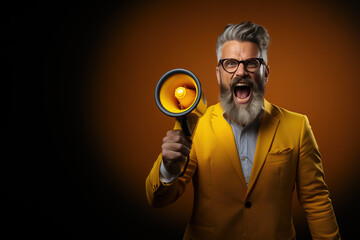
160,194
312,191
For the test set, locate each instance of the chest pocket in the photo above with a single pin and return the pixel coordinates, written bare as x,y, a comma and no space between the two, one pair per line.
279,155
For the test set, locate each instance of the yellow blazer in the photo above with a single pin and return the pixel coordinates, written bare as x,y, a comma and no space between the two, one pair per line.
225,207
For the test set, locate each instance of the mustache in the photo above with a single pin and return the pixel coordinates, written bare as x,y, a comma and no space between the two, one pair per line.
237,80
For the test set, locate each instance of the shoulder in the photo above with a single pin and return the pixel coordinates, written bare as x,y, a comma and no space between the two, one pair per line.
212,118
289,121
283,114
211,112
215,109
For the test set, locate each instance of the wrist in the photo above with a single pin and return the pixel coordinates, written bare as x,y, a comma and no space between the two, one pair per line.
171,168
167,176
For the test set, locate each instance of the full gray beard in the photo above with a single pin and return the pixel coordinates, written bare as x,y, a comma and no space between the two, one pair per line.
242,114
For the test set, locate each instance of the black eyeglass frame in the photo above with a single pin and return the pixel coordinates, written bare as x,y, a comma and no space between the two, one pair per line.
221,61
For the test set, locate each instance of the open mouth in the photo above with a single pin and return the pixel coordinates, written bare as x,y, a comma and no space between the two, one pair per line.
242,93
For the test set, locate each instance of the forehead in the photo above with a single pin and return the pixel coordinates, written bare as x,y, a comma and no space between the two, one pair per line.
240,50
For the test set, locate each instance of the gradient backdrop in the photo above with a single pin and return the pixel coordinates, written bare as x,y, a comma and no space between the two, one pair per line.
84,130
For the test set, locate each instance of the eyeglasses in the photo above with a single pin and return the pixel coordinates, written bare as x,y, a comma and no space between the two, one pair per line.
251,65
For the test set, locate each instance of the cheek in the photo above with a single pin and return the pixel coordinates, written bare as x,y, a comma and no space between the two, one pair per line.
259,77
260,82
225,79
255,77
226,82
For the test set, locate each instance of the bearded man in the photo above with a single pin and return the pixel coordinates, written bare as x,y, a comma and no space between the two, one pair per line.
246,157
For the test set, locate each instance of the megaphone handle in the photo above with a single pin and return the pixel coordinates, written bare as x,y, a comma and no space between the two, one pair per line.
185,126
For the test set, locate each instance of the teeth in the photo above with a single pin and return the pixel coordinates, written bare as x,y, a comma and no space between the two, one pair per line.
242,84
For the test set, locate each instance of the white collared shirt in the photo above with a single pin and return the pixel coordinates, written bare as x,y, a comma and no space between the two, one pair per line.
246,139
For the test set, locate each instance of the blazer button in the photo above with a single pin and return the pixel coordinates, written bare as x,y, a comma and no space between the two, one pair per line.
248,204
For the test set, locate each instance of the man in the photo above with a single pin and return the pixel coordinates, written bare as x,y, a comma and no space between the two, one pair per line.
246,157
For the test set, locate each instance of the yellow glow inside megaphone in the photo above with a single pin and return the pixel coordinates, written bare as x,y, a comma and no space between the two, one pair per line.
185,96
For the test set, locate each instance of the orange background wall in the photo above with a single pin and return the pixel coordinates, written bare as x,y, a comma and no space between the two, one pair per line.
313,59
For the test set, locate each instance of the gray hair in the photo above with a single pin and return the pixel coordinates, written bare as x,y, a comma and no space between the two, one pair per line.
244,31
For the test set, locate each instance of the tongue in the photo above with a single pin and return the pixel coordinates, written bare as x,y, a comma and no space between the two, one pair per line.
242,92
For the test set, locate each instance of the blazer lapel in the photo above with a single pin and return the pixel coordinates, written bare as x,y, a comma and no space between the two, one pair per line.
267,130
226,138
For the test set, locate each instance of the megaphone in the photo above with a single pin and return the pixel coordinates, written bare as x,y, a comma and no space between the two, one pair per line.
179,94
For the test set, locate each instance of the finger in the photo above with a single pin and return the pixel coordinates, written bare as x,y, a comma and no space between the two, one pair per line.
173,156
178,139
177,147
175,132
178,132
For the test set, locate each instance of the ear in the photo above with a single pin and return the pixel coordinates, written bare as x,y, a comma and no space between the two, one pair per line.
267,72
218,74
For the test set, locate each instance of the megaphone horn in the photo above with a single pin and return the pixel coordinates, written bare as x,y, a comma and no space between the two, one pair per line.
179,94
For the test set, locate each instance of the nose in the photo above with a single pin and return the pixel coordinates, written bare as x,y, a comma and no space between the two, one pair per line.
241,71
